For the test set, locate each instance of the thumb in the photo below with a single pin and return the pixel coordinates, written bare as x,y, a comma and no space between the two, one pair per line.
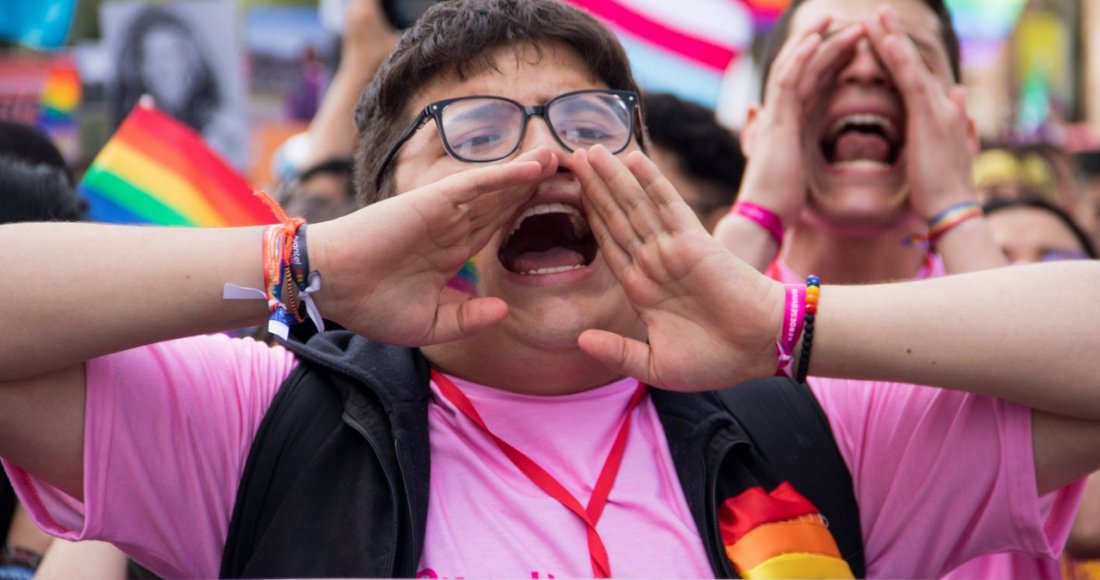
622,355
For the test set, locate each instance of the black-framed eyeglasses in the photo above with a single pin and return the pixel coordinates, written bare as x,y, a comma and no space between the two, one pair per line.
482,129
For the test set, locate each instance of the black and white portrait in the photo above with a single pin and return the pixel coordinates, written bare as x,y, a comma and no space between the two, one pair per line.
185,56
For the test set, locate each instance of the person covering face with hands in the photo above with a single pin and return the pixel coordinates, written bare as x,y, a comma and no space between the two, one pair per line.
862,147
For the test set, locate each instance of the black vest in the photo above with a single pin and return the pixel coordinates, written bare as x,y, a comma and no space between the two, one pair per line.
336,482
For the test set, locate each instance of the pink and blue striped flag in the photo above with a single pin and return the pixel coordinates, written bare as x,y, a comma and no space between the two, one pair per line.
679,47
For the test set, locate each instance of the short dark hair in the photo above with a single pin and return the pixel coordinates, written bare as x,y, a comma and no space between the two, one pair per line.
37,192
30,145
782,29
458,37
706,150
1029,201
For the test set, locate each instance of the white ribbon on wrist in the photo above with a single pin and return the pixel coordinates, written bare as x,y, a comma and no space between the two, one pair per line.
235,292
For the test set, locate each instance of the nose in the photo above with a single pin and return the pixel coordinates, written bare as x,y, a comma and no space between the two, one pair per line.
865,67
539,134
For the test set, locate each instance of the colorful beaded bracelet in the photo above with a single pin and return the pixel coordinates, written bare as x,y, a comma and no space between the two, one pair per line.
813,293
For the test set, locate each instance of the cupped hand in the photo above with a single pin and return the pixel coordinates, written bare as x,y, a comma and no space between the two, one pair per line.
710,319
941,139
385,267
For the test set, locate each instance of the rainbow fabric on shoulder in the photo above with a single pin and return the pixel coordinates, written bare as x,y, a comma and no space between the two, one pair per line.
779,534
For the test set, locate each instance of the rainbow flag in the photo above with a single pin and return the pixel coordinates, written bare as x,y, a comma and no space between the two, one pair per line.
61,94
155,170
778,534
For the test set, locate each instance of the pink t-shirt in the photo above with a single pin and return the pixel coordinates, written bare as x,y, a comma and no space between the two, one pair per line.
912,452
487,519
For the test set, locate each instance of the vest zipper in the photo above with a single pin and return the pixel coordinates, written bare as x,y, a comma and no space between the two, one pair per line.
389,480
712,485
408,502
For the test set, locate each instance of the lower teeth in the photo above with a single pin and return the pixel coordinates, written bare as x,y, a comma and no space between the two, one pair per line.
551,270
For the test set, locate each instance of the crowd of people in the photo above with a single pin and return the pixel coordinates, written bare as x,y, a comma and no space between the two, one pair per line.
677,351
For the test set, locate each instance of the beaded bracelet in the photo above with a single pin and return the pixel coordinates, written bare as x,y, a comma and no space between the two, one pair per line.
763,217
951,217
813,292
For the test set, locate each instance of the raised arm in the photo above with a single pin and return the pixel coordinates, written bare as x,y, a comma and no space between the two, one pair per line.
368,38
88,290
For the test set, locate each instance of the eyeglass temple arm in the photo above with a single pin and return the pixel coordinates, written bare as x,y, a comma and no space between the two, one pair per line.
413,128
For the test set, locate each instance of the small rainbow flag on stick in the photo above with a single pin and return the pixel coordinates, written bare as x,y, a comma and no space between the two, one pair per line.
155,170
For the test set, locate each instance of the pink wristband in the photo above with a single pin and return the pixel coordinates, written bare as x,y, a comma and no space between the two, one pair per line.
763,217
794,315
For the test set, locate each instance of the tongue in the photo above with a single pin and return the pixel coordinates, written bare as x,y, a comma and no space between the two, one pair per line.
856,146
558,257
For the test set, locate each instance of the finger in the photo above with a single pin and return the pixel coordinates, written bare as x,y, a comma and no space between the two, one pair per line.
601,203
466,186
957,94
834,53
619,354
614,254
914,81
783,77
617,258
673,211
489,210
460,316
626,193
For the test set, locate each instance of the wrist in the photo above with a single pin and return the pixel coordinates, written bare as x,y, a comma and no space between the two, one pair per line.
930,209
323,258
951,218
764,217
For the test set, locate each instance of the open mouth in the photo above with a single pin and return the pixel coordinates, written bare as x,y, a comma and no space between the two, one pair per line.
862,140
547,239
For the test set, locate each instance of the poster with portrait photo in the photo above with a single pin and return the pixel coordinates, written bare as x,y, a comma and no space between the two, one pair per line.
185,54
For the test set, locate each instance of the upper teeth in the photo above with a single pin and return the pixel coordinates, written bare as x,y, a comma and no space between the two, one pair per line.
575,217
885,124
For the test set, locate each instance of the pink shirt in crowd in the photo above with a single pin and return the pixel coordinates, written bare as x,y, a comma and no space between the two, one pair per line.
167,434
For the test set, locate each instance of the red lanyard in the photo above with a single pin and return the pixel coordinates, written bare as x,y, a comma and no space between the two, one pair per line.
601,568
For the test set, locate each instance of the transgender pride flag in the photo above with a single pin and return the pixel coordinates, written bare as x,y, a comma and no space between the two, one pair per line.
682,47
